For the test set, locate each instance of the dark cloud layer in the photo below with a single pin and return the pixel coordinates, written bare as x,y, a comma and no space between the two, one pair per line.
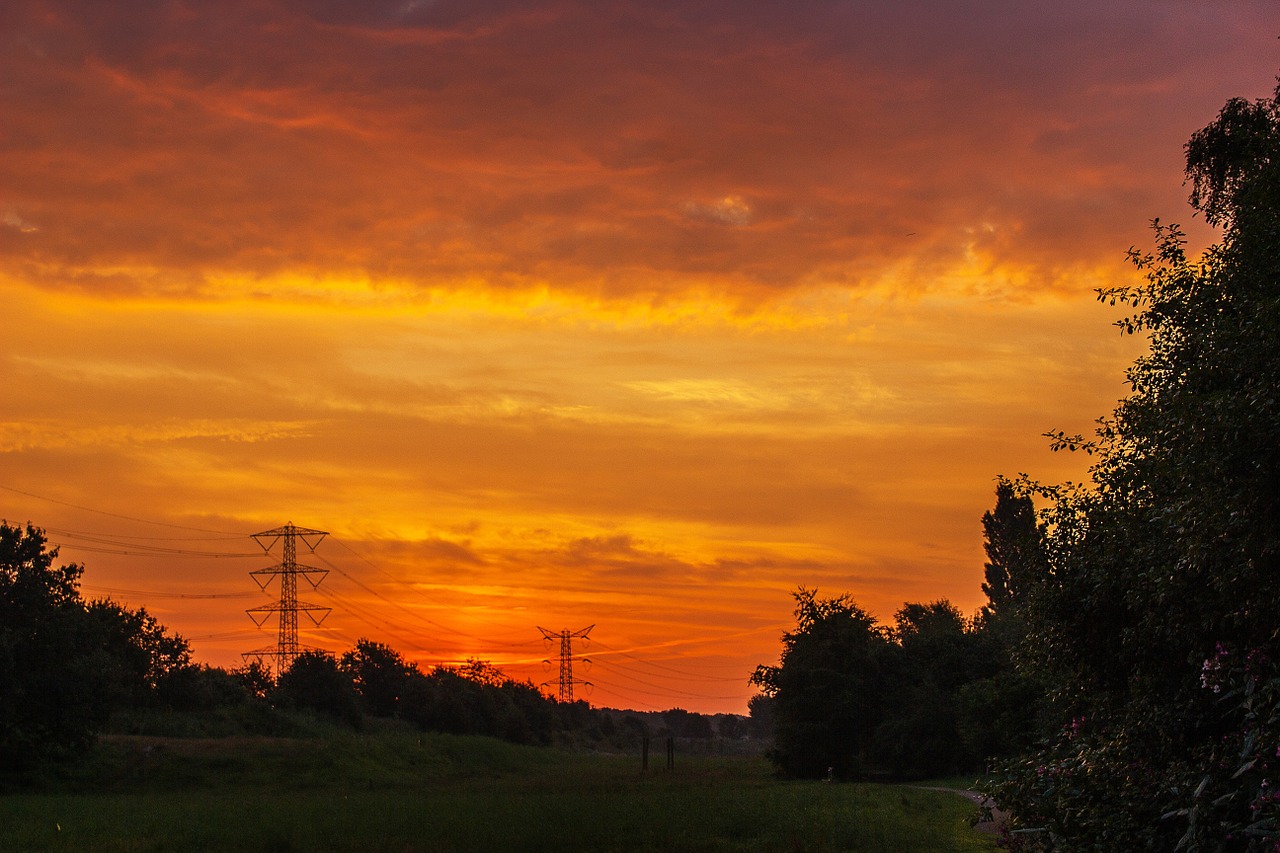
609,145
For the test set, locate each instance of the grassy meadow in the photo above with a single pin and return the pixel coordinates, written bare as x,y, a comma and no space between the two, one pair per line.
401,792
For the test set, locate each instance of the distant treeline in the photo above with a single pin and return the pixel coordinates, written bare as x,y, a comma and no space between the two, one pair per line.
71,669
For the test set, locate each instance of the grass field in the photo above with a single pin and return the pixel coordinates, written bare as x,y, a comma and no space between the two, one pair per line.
400,792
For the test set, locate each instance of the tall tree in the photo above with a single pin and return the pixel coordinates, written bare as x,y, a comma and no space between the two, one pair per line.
52,686
1004,706
65,665
826,688
1014,547
1160,582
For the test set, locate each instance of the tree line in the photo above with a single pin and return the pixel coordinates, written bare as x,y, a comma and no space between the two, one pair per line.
1136,618
71,669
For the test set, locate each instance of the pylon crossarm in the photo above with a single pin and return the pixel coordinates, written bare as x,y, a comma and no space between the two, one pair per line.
263,577
308,571
311,611
307,537
264,611
303,533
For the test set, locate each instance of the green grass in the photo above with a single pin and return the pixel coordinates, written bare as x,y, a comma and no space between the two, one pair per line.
399,792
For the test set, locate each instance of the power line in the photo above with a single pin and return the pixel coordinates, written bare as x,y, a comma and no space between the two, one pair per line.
391,629
603,686
419,617
131,550
671,672
288,606
92,534
223,635
112,514
665,691
148,593
411,587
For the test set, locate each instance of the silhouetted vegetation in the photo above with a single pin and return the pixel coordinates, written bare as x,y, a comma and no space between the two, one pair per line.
65,664
1129,651
923,697
933,694
1154,617
71,669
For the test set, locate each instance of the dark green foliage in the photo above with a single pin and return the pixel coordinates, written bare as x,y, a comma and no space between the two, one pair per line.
195,688
934,695
1005,708
681,723
255,678
1003,715
1014,542
1155,617
141,659
1233,166
762,716
315,683
827,687
934,657
64,665
478,699
731,727
444,701
53,687
29,581
379,674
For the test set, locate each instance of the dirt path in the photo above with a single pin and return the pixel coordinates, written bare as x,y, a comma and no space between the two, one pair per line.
992,826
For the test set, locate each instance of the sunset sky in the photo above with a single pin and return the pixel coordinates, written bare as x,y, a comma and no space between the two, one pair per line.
637,315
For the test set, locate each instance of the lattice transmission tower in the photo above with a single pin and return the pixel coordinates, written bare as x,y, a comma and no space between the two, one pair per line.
287,647
566,637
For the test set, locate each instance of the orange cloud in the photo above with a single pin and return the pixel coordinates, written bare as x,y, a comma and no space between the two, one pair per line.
574,313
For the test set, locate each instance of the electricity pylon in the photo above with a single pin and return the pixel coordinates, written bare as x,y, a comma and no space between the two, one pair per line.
565,693
288,569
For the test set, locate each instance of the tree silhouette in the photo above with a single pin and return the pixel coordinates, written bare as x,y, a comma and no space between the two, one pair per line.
826,688
1160,580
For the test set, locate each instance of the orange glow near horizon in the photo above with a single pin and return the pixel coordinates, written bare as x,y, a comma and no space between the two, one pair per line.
572,313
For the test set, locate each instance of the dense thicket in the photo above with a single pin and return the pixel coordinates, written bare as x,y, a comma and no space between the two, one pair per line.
1154,617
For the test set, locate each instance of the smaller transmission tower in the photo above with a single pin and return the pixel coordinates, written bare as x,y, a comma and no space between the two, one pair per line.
288,569
565,693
